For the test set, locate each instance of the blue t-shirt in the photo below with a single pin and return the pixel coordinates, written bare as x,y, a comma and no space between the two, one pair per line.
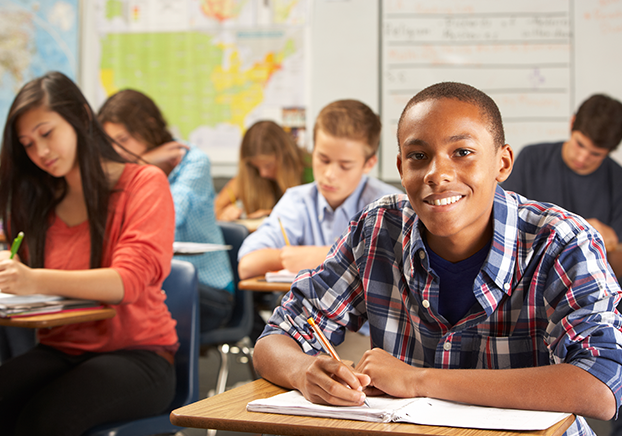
195,221
456,297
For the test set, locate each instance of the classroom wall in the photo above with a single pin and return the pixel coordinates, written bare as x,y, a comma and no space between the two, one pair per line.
343,57
344,60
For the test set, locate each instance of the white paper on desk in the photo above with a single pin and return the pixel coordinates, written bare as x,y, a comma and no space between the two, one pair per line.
9,300
282,276
424,411
197,247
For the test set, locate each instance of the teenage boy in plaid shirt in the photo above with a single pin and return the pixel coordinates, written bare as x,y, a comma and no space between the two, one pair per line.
516,296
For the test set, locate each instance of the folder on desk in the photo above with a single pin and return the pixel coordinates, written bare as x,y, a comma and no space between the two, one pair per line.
423,411
38,304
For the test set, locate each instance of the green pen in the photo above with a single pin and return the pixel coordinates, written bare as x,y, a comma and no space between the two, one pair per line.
16,243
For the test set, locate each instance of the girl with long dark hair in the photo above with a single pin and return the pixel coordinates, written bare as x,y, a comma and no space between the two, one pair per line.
97,228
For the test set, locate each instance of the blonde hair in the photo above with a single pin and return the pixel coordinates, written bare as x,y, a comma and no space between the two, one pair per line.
269,139
350,119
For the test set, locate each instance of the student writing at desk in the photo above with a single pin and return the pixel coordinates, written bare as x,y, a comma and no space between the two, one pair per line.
97,228
139,129
346,136
269,164
473,294
578,174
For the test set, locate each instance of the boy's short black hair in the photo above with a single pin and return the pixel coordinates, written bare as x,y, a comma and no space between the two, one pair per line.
600,119
467,94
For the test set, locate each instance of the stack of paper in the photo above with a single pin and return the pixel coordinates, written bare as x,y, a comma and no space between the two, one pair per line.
283,275
37,304
425,411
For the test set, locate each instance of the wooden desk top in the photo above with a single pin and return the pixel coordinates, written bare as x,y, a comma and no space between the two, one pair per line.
227,411
60,318
259,284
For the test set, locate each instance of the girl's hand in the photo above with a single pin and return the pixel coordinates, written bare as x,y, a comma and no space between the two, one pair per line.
170,153
15,277
259,213
230,213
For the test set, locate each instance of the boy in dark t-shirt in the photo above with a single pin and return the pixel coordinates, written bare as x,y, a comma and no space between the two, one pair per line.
578,174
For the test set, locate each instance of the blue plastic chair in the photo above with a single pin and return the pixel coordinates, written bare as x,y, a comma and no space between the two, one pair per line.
183,303
241,322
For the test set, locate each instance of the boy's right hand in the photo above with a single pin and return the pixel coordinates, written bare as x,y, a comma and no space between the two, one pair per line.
320,379
328,381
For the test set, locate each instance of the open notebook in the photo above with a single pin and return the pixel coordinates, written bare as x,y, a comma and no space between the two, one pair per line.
425,411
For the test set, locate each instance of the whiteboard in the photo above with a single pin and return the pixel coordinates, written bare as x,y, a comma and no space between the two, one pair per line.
537,59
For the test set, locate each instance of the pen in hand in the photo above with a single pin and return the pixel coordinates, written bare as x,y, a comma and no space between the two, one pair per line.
16,243
324,341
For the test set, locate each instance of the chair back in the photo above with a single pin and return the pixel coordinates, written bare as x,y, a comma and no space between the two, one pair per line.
183,302
241,322
233,234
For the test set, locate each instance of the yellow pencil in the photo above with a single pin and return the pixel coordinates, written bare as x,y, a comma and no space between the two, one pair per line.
231,196
283,230
324,341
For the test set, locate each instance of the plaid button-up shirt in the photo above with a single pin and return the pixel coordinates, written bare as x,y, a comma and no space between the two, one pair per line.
546,294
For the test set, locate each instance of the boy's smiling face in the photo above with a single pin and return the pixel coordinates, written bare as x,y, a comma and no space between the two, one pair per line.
450,167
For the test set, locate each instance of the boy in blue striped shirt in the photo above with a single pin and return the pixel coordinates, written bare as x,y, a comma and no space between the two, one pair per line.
515,295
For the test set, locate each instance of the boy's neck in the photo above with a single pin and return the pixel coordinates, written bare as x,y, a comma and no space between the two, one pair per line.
456,248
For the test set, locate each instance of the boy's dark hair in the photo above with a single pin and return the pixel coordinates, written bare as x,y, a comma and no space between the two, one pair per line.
600,119
350,119
467,94
140,116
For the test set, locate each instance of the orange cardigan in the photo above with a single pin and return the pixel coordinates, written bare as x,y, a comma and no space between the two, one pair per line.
139,246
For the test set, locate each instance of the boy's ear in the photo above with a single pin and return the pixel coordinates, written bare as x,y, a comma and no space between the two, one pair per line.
399,164
506,162
369,163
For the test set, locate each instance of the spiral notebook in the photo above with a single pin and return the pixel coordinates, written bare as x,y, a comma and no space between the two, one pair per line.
424,411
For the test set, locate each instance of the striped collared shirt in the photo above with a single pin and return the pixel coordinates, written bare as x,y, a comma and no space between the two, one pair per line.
546,292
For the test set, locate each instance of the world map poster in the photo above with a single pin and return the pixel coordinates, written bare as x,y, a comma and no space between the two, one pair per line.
35,37
214,67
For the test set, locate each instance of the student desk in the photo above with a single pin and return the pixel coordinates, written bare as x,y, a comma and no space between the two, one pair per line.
251,224
227,411
259,284
60,318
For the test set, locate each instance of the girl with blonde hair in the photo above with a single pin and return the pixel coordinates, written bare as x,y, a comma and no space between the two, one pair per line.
270,163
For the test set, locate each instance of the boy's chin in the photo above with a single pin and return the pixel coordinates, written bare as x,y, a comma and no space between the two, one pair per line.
334,199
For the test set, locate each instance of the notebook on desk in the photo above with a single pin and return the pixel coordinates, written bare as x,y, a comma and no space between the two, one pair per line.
424,411
38,304
197,247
